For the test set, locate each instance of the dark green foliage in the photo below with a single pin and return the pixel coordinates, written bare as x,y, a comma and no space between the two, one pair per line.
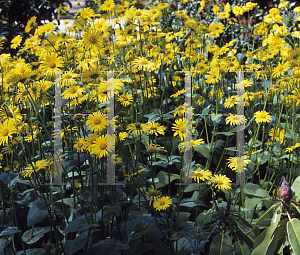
15,14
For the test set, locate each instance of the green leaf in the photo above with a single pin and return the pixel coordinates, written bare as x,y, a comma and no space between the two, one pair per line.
277,151
226,133
163,178
216,119
254,190
293,230
79,224
78,243
260,238
263,247
221,245
290,157
3,243
296,188
116,208
255,144
176,236
277,241
161,163
190,188
125,78
183,216
203,150
32,251
241,248
38,233
37,213
245,227
160,248
251,201
205,217
10,231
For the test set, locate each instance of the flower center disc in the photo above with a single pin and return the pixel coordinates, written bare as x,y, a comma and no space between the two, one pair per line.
103,146
52,65
5,132
73,91
152,149
93,39
97,121
24,93
68,76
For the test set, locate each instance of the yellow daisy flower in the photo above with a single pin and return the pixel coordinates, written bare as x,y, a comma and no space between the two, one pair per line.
35,167
154,128
238,164
91,39
136,128
154,194
79,145
235,119
15,43
97,122
262,116
125,99
221,182
51,63
123,136
72,92
201,174
7,129
162,203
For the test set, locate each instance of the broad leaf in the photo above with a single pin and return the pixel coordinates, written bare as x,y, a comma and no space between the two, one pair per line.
254,190
116,208
296,188
241,248
3,243
78,224
293,230
107,247
163,178
37,213
161,248
251,201
221,245
33,251
38,233
263,247
245,227
203,150
9,231
78,243
277,241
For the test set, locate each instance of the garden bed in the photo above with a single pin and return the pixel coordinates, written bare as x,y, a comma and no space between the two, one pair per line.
172,129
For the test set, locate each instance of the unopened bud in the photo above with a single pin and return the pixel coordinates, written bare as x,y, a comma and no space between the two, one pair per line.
285,191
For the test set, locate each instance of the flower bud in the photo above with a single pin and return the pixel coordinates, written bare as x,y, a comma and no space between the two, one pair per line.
285,191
